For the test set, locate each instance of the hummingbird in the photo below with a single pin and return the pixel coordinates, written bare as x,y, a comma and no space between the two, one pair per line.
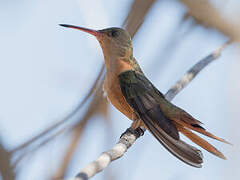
133,94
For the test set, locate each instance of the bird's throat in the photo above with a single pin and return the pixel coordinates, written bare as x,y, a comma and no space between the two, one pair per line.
117,66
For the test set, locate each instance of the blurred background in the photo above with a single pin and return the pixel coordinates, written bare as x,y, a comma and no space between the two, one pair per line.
53,117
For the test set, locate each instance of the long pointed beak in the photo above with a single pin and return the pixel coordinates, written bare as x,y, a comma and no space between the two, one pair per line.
90,31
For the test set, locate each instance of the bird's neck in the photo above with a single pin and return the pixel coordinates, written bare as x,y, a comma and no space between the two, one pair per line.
115,65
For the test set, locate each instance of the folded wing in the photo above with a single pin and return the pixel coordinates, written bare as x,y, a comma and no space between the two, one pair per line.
142,97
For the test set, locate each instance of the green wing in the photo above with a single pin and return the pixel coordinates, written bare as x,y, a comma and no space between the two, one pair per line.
142,96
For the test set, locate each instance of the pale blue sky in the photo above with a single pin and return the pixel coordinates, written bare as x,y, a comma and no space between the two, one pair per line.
45,70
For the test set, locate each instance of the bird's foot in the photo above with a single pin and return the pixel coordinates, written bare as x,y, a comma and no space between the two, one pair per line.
136,132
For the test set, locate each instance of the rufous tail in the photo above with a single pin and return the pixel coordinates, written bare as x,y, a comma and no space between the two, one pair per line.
199,141
199,129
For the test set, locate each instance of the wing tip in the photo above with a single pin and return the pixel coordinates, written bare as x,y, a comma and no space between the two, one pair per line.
198,163
198,166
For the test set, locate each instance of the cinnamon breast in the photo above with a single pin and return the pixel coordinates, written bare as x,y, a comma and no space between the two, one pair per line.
113,90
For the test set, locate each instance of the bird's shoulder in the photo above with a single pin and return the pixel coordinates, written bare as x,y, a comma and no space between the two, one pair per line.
136,81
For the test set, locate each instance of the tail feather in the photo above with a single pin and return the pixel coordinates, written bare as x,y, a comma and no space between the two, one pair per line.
178,148
187,118
200,130
201,142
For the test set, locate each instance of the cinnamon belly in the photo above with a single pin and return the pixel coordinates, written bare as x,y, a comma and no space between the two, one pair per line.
115,96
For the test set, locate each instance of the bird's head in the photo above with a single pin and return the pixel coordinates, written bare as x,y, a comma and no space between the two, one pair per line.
115,42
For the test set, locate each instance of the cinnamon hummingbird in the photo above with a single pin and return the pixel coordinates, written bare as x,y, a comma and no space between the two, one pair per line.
129,90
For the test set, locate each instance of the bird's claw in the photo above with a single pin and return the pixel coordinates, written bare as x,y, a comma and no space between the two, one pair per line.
137,132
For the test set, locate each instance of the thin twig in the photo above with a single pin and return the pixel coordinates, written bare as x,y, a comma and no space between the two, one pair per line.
6,169
77,131
191,73
205,13
62,121
33,150
127,139
138,11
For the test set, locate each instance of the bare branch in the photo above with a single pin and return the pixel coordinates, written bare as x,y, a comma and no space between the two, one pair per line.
208,15
76,135
27,152
136,15
77,130
105,158
6,170
127,139
191,73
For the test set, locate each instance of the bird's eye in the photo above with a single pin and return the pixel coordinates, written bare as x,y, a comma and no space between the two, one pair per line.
115,33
